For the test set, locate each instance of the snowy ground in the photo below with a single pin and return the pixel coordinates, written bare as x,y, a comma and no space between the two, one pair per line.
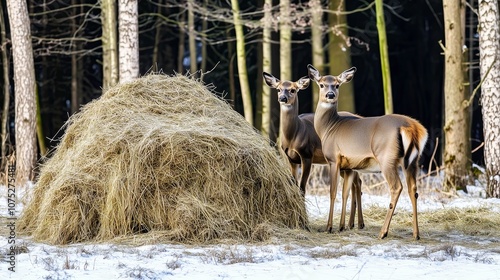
450,256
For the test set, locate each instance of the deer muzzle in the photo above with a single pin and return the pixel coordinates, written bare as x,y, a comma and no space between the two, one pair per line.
282,99
330,95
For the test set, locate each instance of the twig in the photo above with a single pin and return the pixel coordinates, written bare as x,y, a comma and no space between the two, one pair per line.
466,103
209,71
477,148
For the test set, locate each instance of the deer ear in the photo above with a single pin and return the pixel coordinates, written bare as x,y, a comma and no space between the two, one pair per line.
347,75
303,82
270,80
313,73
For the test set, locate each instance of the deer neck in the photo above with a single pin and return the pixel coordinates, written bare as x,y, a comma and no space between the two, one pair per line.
325,118
289,118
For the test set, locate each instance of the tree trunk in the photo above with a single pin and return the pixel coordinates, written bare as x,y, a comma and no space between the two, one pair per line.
158,36
6,92
75,64
384,56
285,41
231,55
339,54
39,125
242,64
182,38
317,45
204,26
24,88
193,67
128,27
457,145
109,44
266,67
489,47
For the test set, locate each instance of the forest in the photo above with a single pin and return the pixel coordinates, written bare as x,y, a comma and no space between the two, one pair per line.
423,59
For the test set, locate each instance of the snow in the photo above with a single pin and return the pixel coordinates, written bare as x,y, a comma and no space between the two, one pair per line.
369,259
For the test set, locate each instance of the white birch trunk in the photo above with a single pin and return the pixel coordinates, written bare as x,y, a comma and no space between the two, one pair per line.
489,47
24,89
128,30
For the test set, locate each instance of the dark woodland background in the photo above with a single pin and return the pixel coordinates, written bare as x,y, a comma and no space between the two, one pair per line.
414,28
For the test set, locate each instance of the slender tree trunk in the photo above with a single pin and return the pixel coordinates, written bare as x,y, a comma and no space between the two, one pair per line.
128,27
158,36
266,67
182,40
204,26
285,41
242,64
39,125
75,64
193,66
317,45
339,53
231,56
109,44
24,88
384,56
456,154
6,87
489,47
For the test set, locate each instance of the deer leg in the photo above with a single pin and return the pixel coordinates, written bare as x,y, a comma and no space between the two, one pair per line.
391,175
347,175
411,181
357,197
353,201
334,173
306,169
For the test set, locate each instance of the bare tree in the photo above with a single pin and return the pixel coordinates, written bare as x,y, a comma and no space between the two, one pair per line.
384,56
266,67
489,46
318,57
457,147
339,54
24,88
285,28
128,28
193,67
6,87
242,64
109,44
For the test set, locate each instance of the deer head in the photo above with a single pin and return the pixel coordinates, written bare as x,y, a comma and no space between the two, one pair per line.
287,90
329,85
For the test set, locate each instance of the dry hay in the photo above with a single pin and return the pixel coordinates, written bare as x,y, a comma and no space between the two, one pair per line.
161,154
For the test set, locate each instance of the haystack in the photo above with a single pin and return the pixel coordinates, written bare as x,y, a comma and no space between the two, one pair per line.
161,154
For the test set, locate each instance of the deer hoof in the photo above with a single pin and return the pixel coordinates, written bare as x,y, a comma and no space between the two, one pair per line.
382,235
361,226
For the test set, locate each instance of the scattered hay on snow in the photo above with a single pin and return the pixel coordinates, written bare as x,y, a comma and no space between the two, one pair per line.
161,154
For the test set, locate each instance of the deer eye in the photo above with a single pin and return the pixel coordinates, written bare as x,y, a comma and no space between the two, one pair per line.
321,85
292,91
336,86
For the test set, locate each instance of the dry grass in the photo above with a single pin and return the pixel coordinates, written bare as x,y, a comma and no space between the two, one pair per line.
161,155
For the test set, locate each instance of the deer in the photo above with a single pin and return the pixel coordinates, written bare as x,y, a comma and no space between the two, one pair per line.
370,144
302,146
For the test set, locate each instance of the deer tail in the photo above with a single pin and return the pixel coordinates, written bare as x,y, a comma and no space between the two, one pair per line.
414,137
